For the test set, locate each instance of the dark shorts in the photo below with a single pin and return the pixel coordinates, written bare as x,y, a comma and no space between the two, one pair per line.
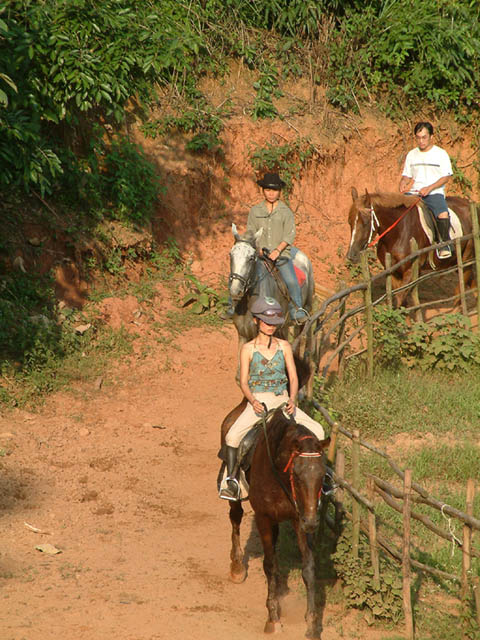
436,203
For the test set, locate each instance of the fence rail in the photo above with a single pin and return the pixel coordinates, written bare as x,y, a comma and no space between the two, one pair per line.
401,500
345,322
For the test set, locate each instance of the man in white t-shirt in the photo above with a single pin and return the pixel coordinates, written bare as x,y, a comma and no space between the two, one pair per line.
426,171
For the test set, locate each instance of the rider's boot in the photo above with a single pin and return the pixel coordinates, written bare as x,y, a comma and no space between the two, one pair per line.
443,231
232,489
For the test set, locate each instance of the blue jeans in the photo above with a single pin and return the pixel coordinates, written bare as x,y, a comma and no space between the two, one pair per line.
287,271
436,203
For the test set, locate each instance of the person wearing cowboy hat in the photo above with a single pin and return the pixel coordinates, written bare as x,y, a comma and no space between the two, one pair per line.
277,222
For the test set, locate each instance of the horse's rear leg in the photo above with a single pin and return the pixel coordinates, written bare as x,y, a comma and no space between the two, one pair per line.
269,534
238,573
308,575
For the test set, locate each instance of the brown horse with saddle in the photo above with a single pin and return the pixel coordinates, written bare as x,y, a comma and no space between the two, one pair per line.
283,466
392,219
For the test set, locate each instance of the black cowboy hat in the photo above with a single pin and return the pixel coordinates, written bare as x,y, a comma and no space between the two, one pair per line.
271,181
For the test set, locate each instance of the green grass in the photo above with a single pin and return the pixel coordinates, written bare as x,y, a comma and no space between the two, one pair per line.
428,422
408,401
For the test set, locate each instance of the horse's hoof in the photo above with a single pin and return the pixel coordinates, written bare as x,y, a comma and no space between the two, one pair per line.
238,576
273,627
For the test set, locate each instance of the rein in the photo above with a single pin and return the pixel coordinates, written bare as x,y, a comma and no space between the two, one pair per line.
384,233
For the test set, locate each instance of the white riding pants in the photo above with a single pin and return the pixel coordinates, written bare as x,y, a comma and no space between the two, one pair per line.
248,418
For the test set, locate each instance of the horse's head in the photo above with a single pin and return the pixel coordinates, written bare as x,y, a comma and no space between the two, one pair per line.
360,221
243,256
308,465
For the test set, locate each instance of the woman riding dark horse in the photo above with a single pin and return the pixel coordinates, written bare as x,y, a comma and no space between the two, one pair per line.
288,466
267,370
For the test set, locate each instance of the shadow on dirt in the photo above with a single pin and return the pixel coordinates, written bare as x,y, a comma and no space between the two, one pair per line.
290,562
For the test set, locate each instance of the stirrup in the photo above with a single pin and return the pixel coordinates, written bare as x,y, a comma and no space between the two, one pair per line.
226,493
447,250
303,319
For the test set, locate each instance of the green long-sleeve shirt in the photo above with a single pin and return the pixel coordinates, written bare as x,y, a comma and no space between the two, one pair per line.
278,226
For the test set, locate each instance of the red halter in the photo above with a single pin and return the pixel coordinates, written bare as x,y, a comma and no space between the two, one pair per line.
289,465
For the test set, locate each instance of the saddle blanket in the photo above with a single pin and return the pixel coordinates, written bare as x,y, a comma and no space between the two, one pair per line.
301,277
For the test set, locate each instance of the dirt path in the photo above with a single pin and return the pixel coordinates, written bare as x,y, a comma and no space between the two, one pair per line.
123,479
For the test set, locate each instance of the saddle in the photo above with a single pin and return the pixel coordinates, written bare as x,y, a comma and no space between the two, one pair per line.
429,226
245,452
301,275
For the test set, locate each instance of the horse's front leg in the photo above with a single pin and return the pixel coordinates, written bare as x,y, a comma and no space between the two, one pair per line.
268,534
238,573
308,575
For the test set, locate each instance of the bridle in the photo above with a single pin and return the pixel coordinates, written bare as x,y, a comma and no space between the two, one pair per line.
246,282
289,467
374,224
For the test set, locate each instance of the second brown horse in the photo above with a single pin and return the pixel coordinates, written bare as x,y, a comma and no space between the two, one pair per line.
372,214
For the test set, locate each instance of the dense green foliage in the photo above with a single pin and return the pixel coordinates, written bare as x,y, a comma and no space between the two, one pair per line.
55,85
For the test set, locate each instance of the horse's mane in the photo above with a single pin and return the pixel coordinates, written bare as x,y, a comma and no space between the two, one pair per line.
390,200
277,427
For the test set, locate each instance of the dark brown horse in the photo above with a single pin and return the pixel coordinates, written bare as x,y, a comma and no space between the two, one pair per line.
373,213
285,478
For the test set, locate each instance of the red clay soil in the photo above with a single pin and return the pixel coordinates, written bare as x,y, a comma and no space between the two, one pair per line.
121,476
122,480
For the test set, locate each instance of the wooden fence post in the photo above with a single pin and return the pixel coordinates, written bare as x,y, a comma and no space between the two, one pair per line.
368,312
467,541
341,331
406,570
476,595
356,486
415,274
372,534
388,281
340,473
476,242
461,282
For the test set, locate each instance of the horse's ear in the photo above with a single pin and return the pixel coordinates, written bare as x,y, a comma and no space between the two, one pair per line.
258,234
235,232
354,194
368,199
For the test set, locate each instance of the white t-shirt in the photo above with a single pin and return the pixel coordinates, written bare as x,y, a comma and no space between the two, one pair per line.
426,167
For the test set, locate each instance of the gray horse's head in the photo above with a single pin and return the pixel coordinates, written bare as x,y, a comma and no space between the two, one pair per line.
243,258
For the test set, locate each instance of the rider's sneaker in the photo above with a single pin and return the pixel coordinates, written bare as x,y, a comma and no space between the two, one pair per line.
444,252
231,491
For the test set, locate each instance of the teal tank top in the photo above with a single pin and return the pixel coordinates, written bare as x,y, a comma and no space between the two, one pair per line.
268,375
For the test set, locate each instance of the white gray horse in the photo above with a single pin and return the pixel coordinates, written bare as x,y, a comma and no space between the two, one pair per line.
247,280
